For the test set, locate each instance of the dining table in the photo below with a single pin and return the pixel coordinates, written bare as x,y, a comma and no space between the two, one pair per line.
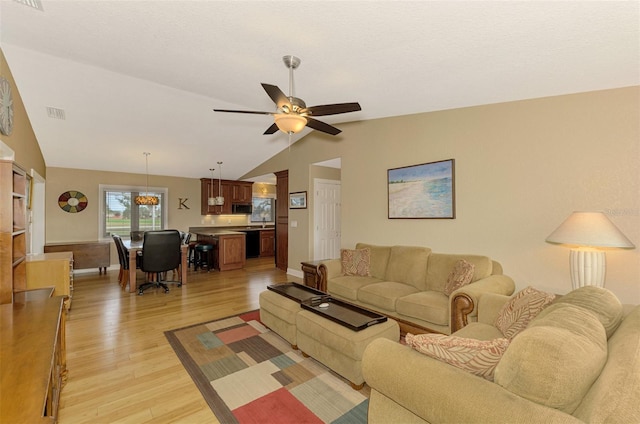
134,246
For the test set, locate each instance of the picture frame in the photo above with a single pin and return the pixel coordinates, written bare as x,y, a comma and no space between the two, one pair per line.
298,200
424,191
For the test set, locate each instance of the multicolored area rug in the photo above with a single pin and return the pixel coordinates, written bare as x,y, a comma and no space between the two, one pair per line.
249,374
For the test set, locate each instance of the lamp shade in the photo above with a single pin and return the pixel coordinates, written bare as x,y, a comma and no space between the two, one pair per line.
592,229
290,122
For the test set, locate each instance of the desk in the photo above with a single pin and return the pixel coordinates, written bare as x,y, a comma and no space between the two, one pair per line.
134,246
32,357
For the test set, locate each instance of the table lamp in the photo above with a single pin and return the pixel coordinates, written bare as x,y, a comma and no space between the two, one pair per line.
586,232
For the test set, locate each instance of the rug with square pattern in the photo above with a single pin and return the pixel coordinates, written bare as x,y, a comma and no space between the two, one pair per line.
249,374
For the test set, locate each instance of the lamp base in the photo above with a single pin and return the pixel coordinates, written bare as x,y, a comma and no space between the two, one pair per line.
587,267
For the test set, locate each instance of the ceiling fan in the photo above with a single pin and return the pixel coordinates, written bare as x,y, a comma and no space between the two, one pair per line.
292,114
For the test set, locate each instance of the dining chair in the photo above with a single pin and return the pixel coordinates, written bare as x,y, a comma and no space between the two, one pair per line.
123,258
160,254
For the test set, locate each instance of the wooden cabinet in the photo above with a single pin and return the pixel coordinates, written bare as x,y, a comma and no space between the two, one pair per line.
32,357
242,192
267,243
231,252
282,220
86,254
13,229
232,191
52,270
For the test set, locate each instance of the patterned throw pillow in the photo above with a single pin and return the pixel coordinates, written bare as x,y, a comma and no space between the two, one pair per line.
478,357
460,275
356,262
516,314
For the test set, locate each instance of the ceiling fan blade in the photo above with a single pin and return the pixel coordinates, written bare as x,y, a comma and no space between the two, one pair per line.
321,126
278,97
334,109
271,130
254,112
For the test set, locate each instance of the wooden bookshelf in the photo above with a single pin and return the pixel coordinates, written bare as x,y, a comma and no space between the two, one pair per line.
13,229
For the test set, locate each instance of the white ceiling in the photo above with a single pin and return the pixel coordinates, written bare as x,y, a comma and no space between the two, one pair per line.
136,76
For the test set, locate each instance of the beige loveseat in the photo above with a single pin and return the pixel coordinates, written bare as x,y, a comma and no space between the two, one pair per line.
407,284
577,361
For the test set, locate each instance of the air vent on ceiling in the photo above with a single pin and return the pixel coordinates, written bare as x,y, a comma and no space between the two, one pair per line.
55,113
36,4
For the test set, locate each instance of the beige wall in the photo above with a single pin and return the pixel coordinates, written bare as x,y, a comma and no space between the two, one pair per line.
22,140
521,169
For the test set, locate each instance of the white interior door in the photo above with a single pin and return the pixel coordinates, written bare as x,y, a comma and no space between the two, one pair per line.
327,231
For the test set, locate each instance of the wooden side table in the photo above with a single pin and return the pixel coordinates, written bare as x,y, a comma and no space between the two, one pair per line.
311,276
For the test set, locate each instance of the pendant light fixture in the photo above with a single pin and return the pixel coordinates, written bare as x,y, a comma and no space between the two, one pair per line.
212,200
220,199
146,199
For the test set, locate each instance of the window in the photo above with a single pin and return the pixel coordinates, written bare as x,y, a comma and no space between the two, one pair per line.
120,215
263,209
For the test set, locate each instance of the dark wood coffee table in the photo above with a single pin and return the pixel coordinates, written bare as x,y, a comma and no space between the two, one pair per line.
343,313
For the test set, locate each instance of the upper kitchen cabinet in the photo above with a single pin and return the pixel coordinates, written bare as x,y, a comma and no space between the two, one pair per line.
232,191
242,192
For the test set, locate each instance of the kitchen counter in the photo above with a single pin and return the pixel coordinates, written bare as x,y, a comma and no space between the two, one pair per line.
235,229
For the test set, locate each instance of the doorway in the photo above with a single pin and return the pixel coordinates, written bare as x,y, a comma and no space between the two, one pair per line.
327,221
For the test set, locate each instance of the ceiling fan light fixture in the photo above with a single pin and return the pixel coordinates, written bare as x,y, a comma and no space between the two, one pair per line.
290,123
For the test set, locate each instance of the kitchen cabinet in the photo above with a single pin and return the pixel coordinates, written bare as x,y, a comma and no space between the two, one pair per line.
267,243
52,270
13,229
229,248
231,251
242,192
232,191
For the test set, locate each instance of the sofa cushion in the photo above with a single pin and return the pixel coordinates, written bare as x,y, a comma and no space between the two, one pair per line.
516,314
347,286
430,306
479,331
556,359
600,301
379,258
460,276
479,357
441,264
384,295
614,396
356,261
408,264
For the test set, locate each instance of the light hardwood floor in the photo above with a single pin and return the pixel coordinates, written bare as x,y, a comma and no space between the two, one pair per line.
121,367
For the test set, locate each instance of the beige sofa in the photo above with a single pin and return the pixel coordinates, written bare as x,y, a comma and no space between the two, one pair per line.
407,284
577,361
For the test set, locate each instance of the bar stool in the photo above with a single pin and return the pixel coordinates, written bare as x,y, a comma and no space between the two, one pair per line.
203,257
191,255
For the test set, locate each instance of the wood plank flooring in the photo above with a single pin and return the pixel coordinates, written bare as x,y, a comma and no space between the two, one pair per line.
121,367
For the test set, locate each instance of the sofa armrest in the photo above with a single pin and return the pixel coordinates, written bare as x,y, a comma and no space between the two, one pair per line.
438,392
464,301
328,269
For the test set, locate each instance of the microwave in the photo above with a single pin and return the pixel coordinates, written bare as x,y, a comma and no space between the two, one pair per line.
241,208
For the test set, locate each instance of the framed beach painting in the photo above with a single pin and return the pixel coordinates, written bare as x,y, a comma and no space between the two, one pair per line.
422,191
298,200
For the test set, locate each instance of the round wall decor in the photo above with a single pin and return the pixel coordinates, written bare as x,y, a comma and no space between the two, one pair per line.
72,201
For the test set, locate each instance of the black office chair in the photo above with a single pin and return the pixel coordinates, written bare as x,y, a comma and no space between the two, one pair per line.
160,254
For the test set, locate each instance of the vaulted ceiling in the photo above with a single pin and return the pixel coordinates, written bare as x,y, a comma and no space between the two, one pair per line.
144,76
